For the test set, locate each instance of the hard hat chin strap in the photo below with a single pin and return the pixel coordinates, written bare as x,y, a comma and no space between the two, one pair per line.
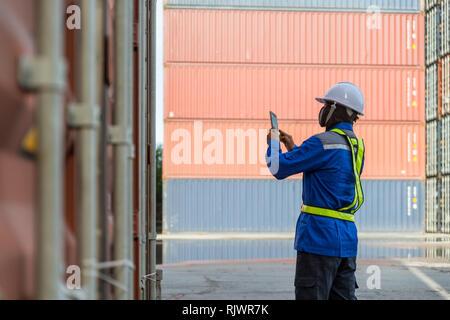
349,112
330,113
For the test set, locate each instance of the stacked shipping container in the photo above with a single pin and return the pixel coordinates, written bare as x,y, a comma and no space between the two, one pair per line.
437,115
227,63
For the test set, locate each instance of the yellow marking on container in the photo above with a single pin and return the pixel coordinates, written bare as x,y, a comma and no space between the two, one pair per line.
29,142
414,159
414,46
414,200
414,104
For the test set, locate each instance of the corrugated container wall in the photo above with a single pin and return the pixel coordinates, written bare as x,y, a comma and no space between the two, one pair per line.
445,27
438,109
445,145
250,92
445,86
240,205
236,149
182,251
446,204
432,92
224,71
432,44
432,149
283,37
302,5
430,3
432,205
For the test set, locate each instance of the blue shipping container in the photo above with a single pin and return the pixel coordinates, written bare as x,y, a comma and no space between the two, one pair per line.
234,205
178,251
410,6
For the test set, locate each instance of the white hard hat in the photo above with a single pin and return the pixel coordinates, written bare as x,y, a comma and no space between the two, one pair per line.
346,94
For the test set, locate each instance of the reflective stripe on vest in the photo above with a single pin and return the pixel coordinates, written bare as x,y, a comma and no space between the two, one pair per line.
359,196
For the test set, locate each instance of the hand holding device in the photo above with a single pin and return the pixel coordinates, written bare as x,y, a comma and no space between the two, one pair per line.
287,140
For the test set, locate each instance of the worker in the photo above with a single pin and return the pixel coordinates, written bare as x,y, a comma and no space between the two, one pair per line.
331,162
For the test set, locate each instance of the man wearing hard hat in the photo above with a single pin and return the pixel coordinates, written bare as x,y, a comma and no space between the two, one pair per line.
326,237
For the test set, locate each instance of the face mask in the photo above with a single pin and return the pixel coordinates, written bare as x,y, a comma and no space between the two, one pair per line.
322,113
325,114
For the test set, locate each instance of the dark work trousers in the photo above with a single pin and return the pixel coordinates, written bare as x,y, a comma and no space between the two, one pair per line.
320,277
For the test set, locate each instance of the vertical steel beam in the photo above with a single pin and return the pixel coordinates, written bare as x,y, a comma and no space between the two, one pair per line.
143,142
131,154
152,133
87,150
50,154
102,9
121,137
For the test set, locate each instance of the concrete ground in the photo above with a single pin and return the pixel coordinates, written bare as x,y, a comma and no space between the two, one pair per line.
422,277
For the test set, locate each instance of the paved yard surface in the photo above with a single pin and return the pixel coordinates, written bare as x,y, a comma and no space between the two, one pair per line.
411,268
399,279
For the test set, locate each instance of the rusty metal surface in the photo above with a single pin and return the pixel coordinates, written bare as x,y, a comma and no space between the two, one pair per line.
16,29
16,172
17,177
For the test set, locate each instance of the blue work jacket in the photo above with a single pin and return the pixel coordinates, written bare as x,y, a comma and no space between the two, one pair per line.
328,182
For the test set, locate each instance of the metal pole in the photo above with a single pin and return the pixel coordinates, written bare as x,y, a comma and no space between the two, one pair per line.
121,137
88,155
152,216
50,154
102,130
143,142
130,92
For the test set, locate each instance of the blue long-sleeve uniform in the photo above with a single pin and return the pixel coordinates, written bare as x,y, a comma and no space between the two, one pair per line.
328,182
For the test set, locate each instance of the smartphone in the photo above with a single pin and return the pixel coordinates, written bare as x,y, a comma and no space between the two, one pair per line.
273,120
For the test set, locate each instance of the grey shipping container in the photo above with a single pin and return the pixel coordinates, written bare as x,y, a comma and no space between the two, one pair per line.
437,252
410,6
445,28
430,3
445,144
445,194
433,32
431,96
239,205
445,84
179,251
432,149
432,221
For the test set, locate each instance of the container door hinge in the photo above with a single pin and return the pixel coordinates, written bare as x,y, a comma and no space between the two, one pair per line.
38,73
119,135
82,116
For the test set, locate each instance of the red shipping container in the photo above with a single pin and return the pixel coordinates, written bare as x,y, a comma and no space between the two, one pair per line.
250,92
236,149
286,37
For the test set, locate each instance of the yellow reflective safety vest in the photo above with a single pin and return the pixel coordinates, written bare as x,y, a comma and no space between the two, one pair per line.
346,213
